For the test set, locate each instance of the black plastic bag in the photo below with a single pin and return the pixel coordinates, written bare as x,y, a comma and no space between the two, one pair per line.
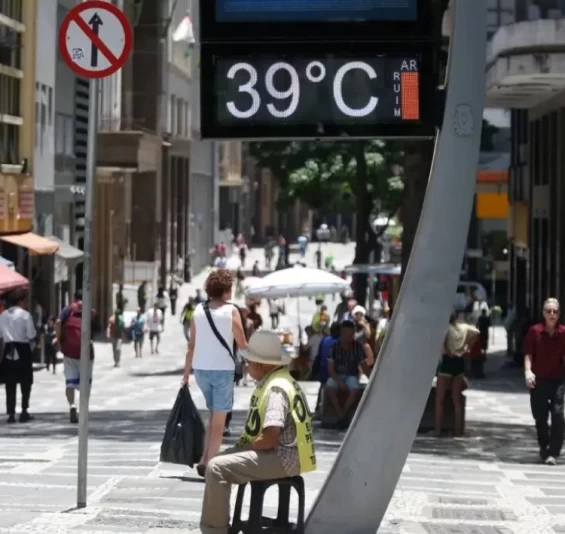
183,442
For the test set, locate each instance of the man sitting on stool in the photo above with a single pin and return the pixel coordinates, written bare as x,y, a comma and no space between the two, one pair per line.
277,441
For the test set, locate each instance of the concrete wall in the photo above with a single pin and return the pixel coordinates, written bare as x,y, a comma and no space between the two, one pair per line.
45,74
64,173
204,188
45,95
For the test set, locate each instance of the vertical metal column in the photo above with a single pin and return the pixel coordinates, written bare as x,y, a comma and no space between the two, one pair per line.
375,449
85,366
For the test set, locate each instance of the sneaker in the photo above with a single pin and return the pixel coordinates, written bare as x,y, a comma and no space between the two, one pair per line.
550,460
73,415
227,432
11,419
25,417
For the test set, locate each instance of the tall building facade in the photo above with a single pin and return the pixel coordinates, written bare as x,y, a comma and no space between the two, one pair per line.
526,74
204,219
17,115
61,109
31,254
176,101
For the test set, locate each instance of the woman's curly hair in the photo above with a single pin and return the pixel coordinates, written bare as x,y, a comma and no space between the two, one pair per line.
218,283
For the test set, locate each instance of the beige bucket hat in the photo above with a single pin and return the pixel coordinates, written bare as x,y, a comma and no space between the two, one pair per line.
265,347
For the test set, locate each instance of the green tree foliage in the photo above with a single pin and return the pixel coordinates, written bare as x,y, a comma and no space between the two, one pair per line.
306,169
359,176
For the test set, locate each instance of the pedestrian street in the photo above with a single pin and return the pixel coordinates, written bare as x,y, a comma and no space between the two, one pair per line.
488,483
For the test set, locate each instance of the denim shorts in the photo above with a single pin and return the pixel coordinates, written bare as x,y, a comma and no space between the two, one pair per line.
352,382
217,388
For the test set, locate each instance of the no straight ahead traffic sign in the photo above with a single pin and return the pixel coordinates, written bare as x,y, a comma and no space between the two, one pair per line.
95,39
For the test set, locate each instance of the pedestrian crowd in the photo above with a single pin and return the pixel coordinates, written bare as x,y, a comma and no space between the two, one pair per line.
227,343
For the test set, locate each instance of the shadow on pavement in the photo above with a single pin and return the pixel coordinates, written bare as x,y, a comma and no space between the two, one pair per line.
487,442
168,372
134,426
500,376
183,478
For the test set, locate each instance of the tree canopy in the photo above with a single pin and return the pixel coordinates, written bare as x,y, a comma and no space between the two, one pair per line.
360,176
326,175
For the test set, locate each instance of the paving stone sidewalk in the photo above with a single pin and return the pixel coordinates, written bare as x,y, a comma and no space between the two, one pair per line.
488,483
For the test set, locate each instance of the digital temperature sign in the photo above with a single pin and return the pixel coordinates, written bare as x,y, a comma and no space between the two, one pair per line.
315,10
312,20
315,95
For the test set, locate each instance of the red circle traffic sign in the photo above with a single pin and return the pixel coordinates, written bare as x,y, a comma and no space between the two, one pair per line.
116,62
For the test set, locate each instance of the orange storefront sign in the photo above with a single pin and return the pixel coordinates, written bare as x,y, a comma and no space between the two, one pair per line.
492,206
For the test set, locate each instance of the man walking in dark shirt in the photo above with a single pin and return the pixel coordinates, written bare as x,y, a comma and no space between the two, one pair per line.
346,355
544,369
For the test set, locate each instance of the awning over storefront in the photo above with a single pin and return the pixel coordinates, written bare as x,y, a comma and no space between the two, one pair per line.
35,244
66,251
10,279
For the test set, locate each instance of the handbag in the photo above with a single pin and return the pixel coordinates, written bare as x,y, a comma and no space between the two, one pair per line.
238,373
183,441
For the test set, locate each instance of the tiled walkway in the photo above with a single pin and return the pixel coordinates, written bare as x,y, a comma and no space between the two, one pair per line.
488,483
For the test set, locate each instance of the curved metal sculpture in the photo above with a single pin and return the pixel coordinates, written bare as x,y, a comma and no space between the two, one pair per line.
360,485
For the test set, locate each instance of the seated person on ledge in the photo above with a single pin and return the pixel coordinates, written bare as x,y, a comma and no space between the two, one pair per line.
346,355
277,441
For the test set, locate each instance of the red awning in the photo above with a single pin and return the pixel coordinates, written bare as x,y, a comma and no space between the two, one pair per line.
11,279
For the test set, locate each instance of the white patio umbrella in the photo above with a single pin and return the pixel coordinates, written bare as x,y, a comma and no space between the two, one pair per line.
297,282
248,281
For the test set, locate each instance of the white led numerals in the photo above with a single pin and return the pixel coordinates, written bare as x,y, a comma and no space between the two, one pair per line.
338,89
247,88
315,73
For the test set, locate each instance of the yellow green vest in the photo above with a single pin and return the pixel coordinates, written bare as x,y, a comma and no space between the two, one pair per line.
300,414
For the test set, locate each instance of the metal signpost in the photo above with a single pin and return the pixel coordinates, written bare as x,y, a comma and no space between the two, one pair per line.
364,69
95,40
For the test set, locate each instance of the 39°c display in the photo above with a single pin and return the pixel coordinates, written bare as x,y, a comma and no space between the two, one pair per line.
317,90
315,94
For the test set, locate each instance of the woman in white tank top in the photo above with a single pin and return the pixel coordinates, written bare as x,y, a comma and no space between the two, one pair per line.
208,356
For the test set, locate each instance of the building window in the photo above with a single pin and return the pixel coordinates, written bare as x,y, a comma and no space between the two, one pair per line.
9,96
180,122
12,9
50,106
10,47
64,135
186,119
173,125
9,143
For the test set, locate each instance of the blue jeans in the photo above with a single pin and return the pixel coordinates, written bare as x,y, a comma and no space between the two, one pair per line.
217,388
352,382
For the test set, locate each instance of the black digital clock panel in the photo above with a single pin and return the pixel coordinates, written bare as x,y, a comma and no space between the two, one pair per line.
315,10
311,20
315,95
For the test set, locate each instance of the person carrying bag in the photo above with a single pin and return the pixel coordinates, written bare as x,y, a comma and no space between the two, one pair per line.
216,330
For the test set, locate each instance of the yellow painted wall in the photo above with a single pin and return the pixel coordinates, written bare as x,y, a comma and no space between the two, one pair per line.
17,190
492,206
520,223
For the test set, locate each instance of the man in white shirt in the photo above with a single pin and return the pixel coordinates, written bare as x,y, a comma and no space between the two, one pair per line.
155,324
17,332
